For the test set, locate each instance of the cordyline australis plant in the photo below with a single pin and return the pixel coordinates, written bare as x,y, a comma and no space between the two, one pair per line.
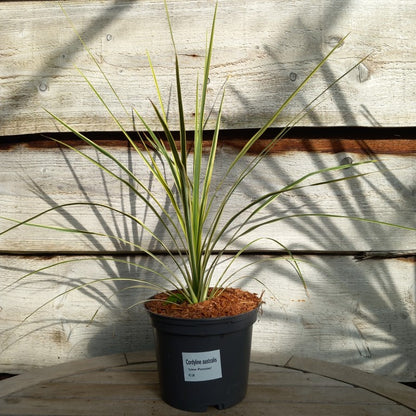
194,225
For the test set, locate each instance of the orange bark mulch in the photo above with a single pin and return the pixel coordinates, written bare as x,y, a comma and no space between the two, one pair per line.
229,302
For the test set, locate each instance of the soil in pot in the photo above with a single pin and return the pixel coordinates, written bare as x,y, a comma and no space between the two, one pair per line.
229,302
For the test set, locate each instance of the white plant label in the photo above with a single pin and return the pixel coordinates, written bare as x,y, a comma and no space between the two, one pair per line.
202,366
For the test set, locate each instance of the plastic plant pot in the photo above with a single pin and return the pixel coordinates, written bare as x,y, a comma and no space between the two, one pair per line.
203,362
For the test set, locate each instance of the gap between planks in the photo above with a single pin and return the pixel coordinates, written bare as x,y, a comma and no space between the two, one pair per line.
381,386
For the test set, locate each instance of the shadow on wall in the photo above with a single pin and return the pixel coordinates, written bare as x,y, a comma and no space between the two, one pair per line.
357,313
309,49
365,298
27,91
364,307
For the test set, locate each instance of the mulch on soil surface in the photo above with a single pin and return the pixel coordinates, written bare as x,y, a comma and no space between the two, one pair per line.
229,302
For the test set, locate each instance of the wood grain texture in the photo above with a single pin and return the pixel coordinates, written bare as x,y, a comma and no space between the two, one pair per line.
382,386
36,176
94,386
264,48
361,314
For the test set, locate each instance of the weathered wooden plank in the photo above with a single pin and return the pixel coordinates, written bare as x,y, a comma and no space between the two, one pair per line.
259,375
358,313
264,48
130,407
81,388
46,374
140,357
382,386
256,393
130,377
35,176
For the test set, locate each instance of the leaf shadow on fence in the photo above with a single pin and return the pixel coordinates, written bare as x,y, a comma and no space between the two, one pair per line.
358,312
91,256
364,305
27,91
370,322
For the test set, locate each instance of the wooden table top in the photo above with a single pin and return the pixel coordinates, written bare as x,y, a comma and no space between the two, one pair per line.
127,384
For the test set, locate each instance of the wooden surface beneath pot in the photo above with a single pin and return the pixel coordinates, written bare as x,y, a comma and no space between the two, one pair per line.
127,384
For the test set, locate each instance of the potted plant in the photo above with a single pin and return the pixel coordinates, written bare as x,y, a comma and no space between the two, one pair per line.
202,323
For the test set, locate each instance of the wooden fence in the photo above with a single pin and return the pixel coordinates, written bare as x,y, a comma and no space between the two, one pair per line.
360,276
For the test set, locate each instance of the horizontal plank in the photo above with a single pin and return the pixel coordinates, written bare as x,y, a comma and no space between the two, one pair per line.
357,313
115,369
150,391
292,390
382,386
46,374
37,176
263,48
81,407
257,376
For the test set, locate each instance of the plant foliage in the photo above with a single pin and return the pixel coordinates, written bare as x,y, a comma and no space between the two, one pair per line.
196,223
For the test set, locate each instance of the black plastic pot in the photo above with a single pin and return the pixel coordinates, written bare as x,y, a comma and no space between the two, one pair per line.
203,362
